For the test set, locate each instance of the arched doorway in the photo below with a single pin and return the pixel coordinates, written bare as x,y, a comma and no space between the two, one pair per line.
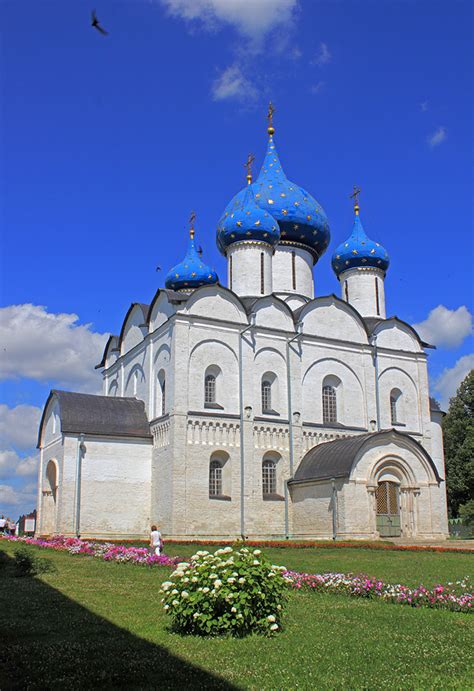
50,491
387,498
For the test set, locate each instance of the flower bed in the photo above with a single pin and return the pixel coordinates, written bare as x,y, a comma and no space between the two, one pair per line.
102,550
453,596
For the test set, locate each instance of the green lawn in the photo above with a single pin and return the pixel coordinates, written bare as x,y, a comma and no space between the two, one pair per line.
97,624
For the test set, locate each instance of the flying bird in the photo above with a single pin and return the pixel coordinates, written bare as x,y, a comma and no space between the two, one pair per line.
95,23
158,268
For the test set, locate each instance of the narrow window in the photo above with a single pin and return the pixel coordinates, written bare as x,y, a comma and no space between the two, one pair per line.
215,479
346,290
329,404
230,272
377,295
210,388
395,406
266,396
293,269
268,477
262,280
163,396
393,409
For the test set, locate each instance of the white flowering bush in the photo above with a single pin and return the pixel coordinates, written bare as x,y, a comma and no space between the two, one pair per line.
233,592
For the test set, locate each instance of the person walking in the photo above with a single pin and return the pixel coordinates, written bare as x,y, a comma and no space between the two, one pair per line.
155,540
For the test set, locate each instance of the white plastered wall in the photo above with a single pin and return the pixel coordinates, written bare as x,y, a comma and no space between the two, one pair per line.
293,278
244,264
364,289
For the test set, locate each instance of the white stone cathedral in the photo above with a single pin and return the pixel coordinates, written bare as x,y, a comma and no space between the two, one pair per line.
256,409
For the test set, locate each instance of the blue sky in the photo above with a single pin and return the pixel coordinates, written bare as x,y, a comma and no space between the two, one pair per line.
108,142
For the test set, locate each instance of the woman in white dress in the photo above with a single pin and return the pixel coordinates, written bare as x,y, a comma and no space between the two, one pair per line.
155,540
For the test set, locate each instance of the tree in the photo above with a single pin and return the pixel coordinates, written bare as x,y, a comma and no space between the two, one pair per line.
458,435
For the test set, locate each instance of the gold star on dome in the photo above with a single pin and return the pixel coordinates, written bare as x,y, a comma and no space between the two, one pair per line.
283,232
308,217
232,215
347,263
355,252
232,235
270,201
364,261
346,244
265,235
297,203
193,274
247,213
282,194
257,195
295,226
176,275
315,232
284,212
270,187
239,223
301,237
257,223
338,256
248,232
372,251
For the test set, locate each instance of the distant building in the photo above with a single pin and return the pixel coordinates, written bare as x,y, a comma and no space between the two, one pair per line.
255,409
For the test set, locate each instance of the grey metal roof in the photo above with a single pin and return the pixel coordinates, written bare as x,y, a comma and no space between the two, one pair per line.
101,415
336,458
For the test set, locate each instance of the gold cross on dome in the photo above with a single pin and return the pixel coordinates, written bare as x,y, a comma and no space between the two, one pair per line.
248,165
355,197
192,218
271,110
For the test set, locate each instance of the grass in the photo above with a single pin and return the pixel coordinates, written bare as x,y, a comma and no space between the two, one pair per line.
97,624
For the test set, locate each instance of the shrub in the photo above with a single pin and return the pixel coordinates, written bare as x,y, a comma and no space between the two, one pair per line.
27,564
466,511
233,592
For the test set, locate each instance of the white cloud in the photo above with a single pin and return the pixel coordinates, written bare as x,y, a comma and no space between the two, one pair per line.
16,500
437,137
232,84
49,347
19,425
449,380
446,328
317,88
11,464
253,19
323,57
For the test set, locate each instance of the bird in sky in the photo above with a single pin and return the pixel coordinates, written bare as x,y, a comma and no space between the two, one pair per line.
96,24
158,268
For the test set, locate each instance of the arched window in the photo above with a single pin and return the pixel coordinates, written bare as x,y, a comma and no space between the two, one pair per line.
209,389
215,479
329,404
266,396
395,395
268,477
163,396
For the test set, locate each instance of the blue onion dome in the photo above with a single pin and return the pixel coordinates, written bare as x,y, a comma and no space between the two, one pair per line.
303,222
244,221
359,251
192,272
